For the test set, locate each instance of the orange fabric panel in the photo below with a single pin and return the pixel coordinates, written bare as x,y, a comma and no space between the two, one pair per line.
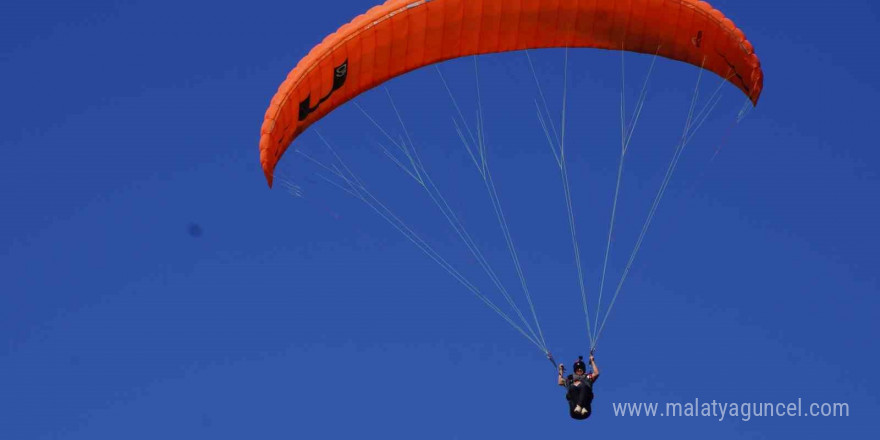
402,35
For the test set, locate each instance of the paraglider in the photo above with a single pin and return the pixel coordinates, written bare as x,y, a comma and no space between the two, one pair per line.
579,387
400,36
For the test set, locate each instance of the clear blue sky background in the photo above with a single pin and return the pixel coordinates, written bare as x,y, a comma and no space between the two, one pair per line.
125,122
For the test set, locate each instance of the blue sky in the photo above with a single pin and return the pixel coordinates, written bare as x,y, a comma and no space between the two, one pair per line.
126,122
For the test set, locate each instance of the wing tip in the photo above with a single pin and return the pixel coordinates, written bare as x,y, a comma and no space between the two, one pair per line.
266,161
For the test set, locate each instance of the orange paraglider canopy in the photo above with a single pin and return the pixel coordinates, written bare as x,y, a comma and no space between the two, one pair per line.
403,35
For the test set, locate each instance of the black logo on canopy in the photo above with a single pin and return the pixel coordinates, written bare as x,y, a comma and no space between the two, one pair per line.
340,73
